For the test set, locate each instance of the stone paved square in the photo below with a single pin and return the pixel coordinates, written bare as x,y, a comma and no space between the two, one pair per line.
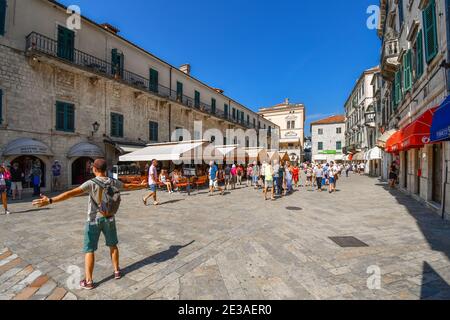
241,247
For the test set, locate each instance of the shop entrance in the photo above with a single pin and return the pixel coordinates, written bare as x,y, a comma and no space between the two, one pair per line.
82,170
437,173
27,164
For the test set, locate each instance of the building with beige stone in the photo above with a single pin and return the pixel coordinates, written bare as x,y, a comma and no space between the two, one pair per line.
74,95
290,118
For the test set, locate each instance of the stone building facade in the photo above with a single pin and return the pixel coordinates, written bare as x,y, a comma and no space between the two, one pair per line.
290,118
74,95
415,49
328,139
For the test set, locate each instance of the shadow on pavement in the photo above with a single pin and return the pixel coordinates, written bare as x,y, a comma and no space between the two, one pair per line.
434,230
160,257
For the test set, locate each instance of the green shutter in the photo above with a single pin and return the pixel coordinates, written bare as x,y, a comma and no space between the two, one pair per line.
117,62
1,106
430,31
153,131
179,91
197,99
2,18
407,71
113,125
419,55
213,105
60,116
66,43
69,121
154,80
120,123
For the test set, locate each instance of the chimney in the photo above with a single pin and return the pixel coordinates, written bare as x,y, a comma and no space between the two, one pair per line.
219,90
186,68
110,28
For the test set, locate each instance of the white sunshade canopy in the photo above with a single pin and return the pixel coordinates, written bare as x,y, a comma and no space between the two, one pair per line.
166,152
27,146
381,141
125,148
374,154
339,157
85,149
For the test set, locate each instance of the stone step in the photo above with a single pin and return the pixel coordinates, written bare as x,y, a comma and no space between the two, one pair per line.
20,281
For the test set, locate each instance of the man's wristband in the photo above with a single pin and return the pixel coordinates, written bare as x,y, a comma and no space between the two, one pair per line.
50,200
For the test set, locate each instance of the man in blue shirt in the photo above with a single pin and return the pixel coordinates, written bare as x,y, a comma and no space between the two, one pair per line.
213,179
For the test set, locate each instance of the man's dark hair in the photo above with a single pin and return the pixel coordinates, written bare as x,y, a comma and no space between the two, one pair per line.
100,164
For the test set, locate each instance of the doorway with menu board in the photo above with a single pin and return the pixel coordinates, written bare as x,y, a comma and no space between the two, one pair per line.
437,173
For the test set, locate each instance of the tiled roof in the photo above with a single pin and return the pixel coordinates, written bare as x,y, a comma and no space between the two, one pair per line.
330,120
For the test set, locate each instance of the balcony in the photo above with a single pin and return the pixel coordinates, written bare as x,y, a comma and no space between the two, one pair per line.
40,44
389,59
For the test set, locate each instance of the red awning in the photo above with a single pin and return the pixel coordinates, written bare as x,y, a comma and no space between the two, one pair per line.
417,133
393,144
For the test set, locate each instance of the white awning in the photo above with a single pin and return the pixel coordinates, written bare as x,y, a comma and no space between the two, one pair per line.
339,157
85,149
381,141
226,150
27,146
126,148
374,154
166,152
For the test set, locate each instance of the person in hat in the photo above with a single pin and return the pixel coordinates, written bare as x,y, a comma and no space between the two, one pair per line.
98,221
56,175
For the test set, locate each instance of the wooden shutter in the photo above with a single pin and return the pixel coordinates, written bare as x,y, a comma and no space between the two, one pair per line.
66,43
429,21
407,71
154,80
69,117
213,105
197,99
419,55
2,17
60,116
179,90
114,125
120,124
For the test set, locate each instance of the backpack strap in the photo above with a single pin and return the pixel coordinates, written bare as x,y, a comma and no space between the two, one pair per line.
102,188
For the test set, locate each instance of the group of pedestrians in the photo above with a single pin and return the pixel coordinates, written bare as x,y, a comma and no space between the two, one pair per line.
325,175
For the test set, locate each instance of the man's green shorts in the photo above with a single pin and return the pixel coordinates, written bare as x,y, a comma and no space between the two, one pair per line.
92,232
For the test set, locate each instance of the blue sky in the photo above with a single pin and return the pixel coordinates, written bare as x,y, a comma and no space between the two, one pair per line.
259,52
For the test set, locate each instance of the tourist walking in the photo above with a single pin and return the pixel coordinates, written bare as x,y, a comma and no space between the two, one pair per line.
3,195
213,179
332,175
256,172
233,177
318,172
281,181
152,183
309,177
276,176
227,172
295,175
268,182
103,204
239,174
393,176
56,175
288,178
36,178
249,175
17,177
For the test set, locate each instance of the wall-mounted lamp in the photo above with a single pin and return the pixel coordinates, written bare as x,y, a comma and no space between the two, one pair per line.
95,127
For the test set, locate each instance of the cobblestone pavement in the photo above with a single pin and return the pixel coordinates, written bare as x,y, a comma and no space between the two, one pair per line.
20,281
241,247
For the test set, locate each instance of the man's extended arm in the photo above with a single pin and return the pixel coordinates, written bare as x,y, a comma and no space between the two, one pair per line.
45,201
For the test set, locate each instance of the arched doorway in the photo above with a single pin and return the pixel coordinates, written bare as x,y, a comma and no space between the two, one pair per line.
82,170
26,164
